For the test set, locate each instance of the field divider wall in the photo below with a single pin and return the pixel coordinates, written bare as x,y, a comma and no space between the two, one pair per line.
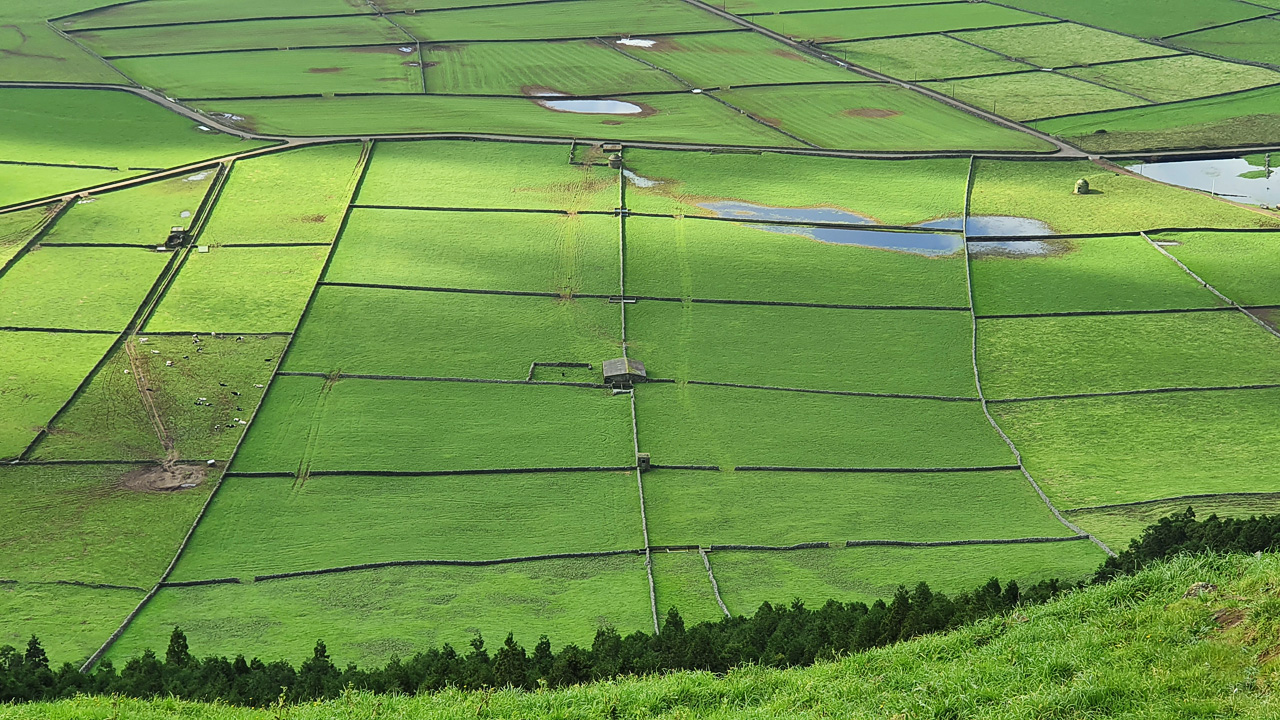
94,586
1214,96
431,473
868,470
715,587
1258,321
956,543
1149,391
772,548
363,166
1104,313
419,378
41,230
69,331
1175,498
977,376
847,393
447,563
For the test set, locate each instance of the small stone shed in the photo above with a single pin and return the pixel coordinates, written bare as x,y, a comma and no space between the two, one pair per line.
622,373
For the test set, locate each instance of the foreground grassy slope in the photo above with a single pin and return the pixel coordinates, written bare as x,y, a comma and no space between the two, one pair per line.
1135,648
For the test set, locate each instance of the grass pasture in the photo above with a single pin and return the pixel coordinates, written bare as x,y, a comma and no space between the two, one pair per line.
1062,45
1082,450
367,616
1031,357
705,425
1241,119
1178,78
1242,266
32,51
875,116
290,197
1147,18
918,352
1030,95
1117,202
23,183
866,574
857,24
41,371
1116,526
139,215
93,528
737,58
240,290
924,57
71,622
441,173
897,192
727,261
180,11
1253,40
680,580
682,117
109,128
573,19
429,334
279,72
198,400
81,288
788,508
252,35
269,525
479,251
17,229
396,425
1092,274
573,67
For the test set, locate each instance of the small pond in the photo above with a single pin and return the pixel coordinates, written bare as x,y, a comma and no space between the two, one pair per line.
1220,177
588,107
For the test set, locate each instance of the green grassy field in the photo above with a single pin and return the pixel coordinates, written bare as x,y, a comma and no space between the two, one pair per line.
680,581
80,288
279,72
1062,45
866,574
681,117
1147,18
198,411
1178,78
93,527
1091,274
1029,357
479,251
578,18
701,425
140,215
17,229
102,127
367,616
1241,266
393,332
240,290
257,34
739,58
22,183
1082,451
1116,526
1251,40
71,622
33,51
268,525
1116,202
289,197
898,192
920,352
872,116
176,11
1242,119
485,175
923,57
781,508
578,67
431,426
883,21
748,7
41,372
1030,95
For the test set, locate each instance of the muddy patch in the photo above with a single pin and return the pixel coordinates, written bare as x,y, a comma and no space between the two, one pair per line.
1228,618
872,113
788,54
610,122
559,101
325,71
314,218
162,478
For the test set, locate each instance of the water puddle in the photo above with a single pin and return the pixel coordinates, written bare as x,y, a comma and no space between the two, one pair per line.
593,107
640,180
637,42
920,243
1233,178
1010,248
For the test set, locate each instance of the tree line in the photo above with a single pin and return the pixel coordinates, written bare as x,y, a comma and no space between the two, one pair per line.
775,636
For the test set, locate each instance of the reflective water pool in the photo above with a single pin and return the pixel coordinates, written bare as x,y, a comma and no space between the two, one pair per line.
1220,177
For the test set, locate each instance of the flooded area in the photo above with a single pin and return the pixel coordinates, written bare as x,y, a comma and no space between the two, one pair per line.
637,42
587,107
640,180
1233,178
920,243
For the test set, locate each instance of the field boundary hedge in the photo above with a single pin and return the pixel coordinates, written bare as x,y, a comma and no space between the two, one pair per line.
1149,391
868,470
1175,498
850,393
954,543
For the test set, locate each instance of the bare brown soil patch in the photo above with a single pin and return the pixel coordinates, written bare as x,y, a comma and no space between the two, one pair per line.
1228,618
314,218
325,71
1269,654
874,113
788,54
163,478
610,122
